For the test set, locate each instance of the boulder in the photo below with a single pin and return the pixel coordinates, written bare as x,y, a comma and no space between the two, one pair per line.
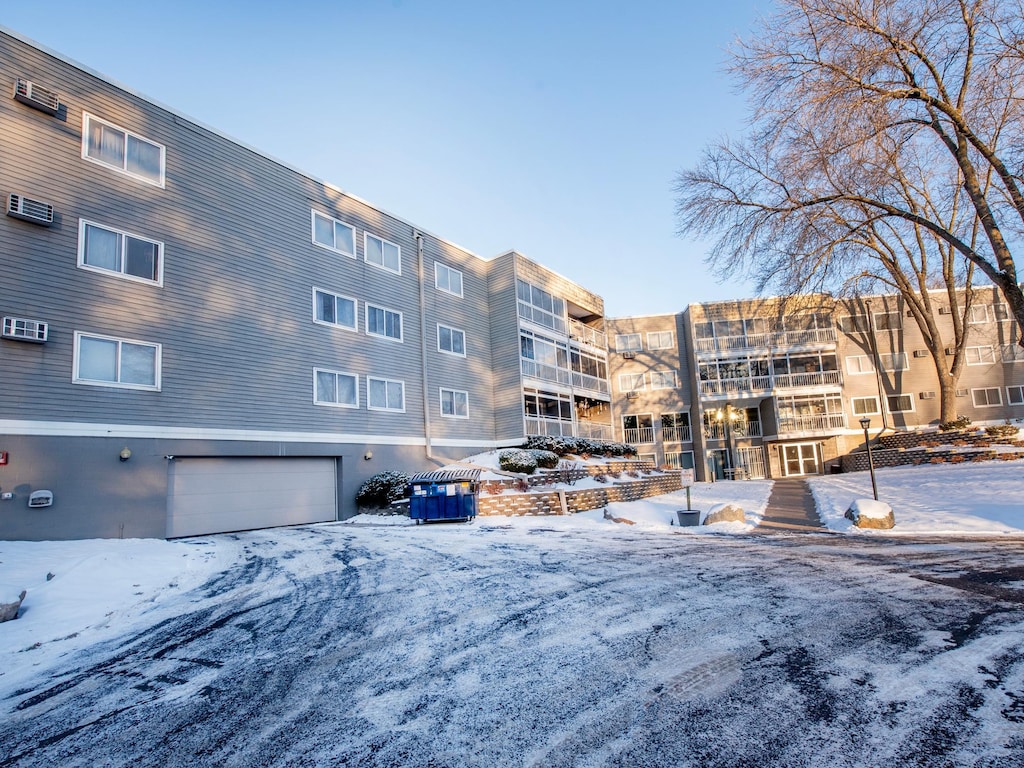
725,513
9,611
868,513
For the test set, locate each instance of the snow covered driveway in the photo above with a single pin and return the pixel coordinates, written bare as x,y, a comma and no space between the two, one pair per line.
543,644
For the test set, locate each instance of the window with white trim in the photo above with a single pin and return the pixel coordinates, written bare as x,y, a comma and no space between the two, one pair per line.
122,150
631,382
628,342
454,403
982,355
853,324
447,279
382,253
451,340
115,252
679,459
664,380
900,403
857,364
334,309
385,394
888,321
1012,353
1015,395
335,388
383,322
660,340
894,361
334,235
539,306
978,313
986,397
864,406
108,361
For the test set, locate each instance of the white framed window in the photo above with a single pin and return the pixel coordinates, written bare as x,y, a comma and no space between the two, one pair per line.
664,380
383,322
333,234
335,388
900,403
122,150
334,309
894,361
447,279
978,313
1012,353
679,459
628,342
986,397
864,406
857,364
385,394
982,355
1001,311
888,321
1015,395
382,253
133,257
853,324
660,340
454,403
451,340
631,382
651,457
108,361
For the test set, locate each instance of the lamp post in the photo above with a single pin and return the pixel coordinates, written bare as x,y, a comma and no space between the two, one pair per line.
865,422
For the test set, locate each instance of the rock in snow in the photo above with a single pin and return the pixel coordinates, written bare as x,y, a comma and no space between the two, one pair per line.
725,513
868,513
9,610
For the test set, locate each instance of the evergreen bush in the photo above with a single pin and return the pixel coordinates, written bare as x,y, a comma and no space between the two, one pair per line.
383,488
517,460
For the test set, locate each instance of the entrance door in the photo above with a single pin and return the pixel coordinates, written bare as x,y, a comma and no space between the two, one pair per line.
800,459
717,464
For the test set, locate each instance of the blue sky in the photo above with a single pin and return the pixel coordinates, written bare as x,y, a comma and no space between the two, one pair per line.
555,128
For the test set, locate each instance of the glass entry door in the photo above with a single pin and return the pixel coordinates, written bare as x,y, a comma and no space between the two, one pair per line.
800,459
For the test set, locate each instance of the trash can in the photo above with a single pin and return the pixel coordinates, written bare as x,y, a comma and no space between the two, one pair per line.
444,495
688,516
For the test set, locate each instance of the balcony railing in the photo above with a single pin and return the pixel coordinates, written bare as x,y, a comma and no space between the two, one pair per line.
732,386
639,435
595,430
676,434
766,340
535,370
716,429
541,425
589,383
813,379
725,387
817,423
587,335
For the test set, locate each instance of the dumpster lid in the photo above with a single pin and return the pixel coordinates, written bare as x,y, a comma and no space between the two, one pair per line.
448,476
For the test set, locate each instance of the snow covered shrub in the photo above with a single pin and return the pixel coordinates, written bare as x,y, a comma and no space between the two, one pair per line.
545,459
517,460
383,488
1001,430
960,422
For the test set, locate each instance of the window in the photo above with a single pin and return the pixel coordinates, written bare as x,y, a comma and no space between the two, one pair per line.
109,250
900,403
856,364
332,309
385,394
451,340
335,388
853,324
894,361
660,340
447,279
384,254
1015,395
630,382
679,459
539,306
888,321
105,143
334,234
454,403
383,322
978,314
982,355
675,427
986,397
1002,312
664,380
865,406
1012,353
111,362
628,342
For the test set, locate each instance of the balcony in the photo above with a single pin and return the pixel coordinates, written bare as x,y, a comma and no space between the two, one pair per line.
824,422
716,429
639,435
587,335
543,425
583,381
534,370
595,430
727,387
766,340
676,434
812,379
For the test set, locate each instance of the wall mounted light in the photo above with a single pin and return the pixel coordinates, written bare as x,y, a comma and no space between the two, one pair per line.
125,454
368,455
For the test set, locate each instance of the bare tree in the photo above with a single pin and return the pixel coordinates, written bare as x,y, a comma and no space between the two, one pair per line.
887,140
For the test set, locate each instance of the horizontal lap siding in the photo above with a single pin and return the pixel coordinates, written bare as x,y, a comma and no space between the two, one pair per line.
508,391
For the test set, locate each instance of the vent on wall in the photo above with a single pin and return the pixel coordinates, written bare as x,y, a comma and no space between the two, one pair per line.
20,329
632,395
929,395
961,393
943,310
628,355
920,353
36,97
950,351
30,210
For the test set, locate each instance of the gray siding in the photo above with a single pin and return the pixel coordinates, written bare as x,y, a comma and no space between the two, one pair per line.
508,390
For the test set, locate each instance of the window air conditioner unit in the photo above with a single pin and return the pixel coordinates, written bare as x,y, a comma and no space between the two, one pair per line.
929,395
628,355
632,395
20,329
36,97
920,353
943,310
961,393
910,313
950,351
30,210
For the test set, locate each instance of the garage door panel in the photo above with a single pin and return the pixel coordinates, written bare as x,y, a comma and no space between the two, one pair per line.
220,495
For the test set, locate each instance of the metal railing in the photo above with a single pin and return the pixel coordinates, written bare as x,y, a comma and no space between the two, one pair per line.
812,379
732,386
535,370
639,435
541,425
816,423
595,430
591,383
676,434
716,429
587,335
766,340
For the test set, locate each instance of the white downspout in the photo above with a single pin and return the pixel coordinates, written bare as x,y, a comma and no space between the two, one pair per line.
423,344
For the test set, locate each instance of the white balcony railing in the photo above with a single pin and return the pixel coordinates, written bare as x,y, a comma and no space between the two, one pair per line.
817,423
716,429
587,335
720,387
541,425
639,435
766,340
595,430
535,370
813,379
590,383
675,434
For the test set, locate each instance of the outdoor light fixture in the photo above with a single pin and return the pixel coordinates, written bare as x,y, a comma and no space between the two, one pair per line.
865,422
368,455
125,454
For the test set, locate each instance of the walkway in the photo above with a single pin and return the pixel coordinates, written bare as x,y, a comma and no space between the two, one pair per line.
790,509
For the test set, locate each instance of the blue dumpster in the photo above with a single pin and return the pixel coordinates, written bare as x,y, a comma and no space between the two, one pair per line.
444,495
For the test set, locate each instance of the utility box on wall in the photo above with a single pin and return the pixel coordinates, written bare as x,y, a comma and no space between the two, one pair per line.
39,499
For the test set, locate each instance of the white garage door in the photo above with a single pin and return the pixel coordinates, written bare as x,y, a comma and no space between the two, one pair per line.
220,495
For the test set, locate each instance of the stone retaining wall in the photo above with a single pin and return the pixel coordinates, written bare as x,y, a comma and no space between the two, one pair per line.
578,500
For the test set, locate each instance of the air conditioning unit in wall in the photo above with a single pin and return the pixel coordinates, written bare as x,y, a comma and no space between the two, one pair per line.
20,329
632,395
943,310
36,211
929,395
961,393
950,350
920,353
36,97
628,355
